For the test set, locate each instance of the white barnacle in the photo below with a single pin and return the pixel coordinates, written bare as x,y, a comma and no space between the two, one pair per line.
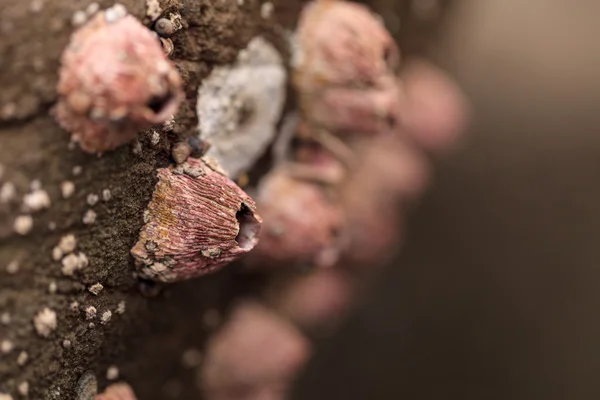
240,105
45,322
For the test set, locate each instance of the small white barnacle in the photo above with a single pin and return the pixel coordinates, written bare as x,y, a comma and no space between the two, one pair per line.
239,106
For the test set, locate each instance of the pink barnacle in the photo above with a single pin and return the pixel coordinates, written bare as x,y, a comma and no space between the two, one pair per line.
301,224
368,110
115,80
117,391
341,43
197,222
254,356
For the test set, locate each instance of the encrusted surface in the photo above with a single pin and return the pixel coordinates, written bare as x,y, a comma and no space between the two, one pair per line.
239,106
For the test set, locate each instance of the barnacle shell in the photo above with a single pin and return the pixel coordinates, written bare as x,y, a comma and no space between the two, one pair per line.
114,81
313,300
117,391
389,172
197,221
239,106
341,43
301,224
256,352
347,109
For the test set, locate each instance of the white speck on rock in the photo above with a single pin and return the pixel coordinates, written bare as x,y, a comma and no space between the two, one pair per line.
74,306
8,192
70,264
106,195
67,188
120,307
90,312
155,138
92,199
266,10
45,322
6,346
105,318
52,287
89,217
23,224
95,289
112,373
36,200
77,170
5,318
23,388
57,253
115,13
22,358
78,18
12,267
67,243
92,9
66,343
83,260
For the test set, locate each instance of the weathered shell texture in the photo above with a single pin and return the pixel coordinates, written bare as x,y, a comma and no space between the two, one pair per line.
341,43
301,224
240,105
197,221
114,81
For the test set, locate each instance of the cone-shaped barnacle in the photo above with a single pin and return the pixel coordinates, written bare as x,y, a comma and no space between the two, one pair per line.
239,106
302,224
340,42
197,222
114,81
344,63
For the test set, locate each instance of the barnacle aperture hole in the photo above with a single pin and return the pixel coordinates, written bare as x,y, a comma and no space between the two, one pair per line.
391,57
159,103
249,227
246,112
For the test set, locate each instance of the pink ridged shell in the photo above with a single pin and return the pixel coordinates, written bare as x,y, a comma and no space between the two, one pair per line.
197,222
341,43
301,224
114,81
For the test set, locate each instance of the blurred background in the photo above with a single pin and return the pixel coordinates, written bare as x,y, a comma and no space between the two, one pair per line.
495,293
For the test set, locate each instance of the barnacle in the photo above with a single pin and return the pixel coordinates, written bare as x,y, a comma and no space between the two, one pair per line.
197,221
114,81
341,43
239,106
301,224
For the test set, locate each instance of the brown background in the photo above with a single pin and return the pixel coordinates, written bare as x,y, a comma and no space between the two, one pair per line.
495,295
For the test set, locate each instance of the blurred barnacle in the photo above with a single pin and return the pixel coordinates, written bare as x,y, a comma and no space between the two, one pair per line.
114,81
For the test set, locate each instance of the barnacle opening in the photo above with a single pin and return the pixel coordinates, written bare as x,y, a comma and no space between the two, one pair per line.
249,226
159,103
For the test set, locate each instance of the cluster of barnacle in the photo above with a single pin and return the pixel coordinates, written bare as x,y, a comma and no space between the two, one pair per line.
316,207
